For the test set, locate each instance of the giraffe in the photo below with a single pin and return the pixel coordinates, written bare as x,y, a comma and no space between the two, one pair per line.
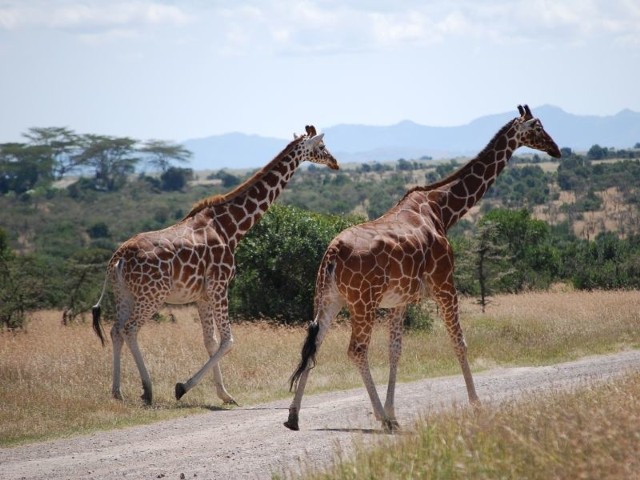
402,256
193,261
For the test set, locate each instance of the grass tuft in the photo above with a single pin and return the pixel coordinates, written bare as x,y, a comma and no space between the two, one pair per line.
591,432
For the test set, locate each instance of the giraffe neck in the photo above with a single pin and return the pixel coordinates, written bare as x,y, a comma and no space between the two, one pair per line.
463,189
234,213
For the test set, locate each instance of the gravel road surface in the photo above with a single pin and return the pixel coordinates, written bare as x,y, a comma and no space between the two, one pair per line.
252,443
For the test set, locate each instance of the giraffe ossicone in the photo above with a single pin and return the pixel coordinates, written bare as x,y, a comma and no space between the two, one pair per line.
402,256
193,261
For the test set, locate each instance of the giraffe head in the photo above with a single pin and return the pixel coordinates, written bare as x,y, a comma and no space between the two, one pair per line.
530,133
312,149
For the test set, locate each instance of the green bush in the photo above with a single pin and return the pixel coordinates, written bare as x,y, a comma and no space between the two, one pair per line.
277,264
28,282
419,316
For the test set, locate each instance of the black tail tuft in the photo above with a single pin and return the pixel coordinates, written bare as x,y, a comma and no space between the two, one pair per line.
308,354
96,323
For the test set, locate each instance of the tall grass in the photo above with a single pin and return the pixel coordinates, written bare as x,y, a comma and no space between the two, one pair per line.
591,433
56,381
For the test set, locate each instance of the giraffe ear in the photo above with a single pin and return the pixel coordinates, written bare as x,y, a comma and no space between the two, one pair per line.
315,140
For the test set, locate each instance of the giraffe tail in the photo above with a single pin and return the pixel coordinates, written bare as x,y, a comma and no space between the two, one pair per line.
95,310
308,354
310,346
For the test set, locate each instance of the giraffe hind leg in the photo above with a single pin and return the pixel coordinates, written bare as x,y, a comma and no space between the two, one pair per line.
117,341
299,377
315,335
132,341
395,349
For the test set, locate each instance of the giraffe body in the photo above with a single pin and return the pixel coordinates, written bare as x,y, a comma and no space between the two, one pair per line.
193,261
403,256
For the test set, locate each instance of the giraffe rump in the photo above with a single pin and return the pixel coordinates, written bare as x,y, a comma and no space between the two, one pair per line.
308,354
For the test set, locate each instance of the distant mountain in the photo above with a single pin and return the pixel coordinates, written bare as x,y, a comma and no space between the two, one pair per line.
233,150
409,140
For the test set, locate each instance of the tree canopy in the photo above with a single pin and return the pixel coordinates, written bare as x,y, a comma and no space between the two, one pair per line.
52,153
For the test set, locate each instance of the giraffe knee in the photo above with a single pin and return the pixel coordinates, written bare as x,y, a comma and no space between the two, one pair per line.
357,353
226,345
115,333
460,346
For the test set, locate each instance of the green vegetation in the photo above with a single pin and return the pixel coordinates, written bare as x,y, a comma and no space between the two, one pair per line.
575,221
277,264
53,153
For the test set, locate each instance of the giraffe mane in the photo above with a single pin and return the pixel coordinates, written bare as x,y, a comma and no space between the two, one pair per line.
462,171
219,199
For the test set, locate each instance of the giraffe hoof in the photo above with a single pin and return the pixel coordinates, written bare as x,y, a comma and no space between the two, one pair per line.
390,426
292,422
180,390
146,399
230,401
291,425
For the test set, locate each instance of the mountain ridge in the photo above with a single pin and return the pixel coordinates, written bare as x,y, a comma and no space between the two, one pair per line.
410,140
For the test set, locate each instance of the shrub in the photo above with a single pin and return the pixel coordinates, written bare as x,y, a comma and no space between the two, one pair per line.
277,264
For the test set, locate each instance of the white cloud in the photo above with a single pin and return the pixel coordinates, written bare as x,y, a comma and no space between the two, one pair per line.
294,27
413,27
74,15
328,26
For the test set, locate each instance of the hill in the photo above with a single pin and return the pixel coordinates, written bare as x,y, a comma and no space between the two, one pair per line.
366,143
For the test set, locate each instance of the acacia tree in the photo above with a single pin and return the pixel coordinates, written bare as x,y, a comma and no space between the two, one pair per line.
21,167
58,147
112,158
160,153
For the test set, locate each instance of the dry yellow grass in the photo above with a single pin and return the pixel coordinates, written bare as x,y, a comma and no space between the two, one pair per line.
591,433
56,381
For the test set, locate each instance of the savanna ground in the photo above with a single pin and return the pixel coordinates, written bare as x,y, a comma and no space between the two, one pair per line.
55,382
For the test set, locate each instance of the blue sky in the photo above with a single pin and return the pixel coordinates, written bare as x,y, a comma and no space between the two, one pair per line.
176,70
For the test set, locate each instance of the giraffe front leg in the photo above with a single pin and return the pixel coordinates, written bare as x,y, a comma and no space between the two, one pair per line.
395,349
225,345
221,315
207,319
447,298
221,391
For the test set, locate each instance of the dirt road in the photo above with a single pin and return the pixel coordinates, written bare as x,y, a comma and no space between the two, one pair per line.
248,443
